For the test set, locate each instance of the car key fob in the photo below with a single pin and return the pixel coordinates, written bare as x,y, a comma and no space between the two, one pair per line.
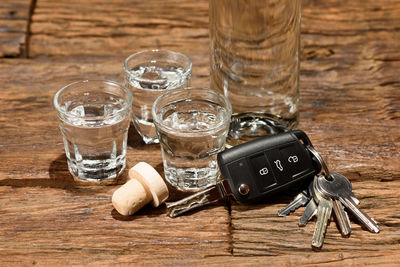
262,167
253,171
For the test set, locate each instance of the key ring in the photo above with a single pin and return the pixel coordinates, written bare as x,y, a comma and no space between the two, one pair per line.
320,160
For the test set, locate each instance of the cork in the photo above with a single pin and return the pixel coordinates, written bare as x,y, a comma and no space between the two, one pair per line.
144,185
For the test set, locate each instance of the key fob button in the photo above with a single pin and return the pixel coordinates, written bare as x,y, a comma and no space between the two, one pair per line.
262,172
296,160
279,166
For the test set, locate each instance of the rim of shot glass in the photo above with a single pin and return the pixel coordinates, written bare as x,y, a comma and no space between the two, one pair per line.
224,123
186,59
127,105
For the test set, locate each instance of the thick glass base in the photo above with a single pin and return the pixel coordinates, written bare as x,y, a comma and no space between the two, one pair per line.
96,170
247,126
191,179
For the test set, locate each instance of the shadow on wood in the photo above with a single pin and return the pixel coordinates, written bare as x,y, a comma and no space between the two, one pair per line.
134,139
147,211
60,177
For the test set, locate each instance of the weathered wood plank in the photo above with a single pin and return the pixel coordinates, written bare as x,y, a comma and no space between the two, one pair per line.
104,27
14,19
82,225
282,235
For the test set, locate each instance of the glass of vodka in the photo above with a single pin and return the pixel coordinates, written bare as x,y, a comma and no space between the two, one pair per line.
148,74
94,118
255,63
192,125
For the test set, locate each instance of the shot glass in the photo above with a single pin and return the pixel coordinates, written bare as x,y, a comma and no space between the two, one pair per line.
148,74
192,125
94,117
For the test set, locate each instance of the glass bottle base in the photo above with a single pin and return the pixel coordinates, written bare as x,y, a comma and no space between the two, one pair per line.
247,126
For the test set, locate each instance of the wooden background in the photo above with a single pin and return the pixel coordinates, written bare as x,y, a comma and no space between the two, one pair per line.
350,107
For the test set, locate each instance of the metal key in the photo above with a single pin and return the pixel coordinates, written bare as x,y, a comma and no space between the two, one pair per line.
341,218
311,209
340,187
309,212
323,215
300,200
210,195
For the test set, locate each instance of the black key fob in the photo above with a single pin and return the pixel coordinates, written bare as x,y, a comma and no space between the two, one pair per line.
257,169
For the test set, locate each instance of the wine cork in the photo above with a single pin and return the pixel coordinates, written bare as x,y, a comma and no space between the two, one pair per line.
145,185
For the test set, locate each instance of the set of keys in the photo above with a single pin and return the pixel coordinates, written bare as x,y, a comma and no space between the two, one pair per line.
328,192
253,172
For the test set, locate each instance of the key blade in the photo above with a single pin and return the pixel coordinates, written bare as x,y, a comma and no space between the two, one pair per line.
309,212
341,218
199,199
369,223
355,200
324,214
300,200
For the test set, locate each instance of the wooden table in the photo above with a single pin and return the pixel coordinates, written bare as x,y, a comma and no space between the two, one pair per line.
350,107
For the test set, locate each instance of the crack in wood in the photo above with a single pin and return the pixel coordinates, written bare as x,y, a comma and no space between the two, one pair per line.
28,32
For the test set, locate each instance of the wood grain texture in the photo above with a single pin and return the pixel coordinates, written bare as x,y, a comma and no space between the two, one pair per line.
14,20
114,27
80,226
282,235
350,107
